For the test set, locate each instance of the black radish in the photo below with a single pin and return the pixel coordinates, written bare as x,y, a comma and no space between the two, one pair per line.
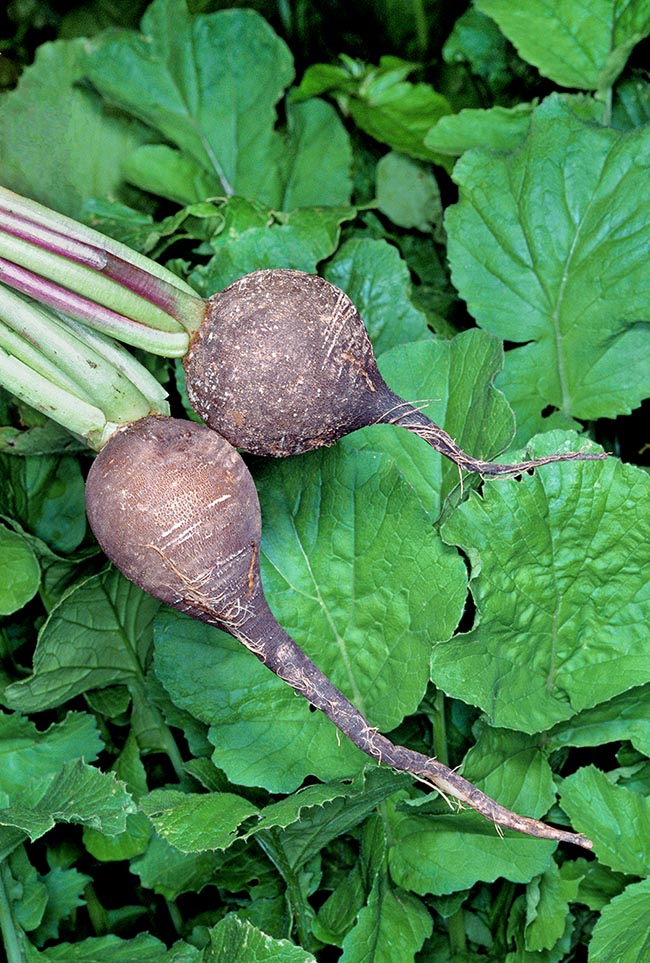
172,504
282,363
278,363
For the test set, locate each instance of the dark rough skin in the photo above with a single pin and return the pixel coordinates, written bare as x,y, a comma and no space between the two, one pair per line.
174,507
282,363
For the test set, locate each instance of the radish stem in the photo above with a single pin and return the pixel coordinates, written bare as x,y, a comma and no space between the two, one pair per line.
76,377
67,227
98,317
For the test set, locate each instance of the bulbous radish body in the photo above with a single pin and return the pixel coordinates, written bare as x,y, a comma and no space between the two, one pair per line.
282,363
174,507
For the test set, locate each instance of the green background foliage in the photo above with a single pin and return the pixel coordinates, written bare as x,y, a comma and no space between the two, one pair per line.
476,178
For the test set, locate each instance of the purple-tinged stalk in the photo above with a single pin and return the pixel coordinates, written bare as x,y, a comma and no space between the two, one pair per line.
95,279
77,377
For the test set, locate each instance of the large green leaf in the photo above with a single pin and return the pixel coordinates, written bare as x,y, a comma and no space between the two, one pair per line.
445,854
47,125
357,576
615,818
234,940
558,576
22,572
77,793
622,933
209,84
30,757
583,44
98,635
548,246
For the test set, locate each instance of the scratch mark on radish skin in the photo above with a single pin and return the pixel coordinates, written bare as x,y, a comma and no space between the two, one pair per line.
338,312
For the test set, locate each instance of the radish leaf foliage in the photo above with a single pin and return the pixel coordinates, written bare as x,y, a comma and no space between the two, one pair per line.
502,628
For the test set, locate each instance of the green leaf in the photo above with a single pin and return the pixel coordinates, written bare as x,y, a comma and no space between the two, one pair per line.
510,767
78,793
627,716
167,871
208,84
254,238
560,612
22,572
575,44
64,888
547,899
453,383
499,128
134,840
377,280
370,787
162,170
616,819
408,193
631,104
48,158
398,113
318,157
445,854
477,42
390,928
622,934
234,940
381,102
112,949
304,839
194,822
548,246
598,885
328,519
30,757
98,635
46,495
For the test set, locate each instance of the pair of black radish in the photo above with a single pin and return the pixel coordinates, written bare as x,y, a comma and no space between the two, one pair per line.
281,364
